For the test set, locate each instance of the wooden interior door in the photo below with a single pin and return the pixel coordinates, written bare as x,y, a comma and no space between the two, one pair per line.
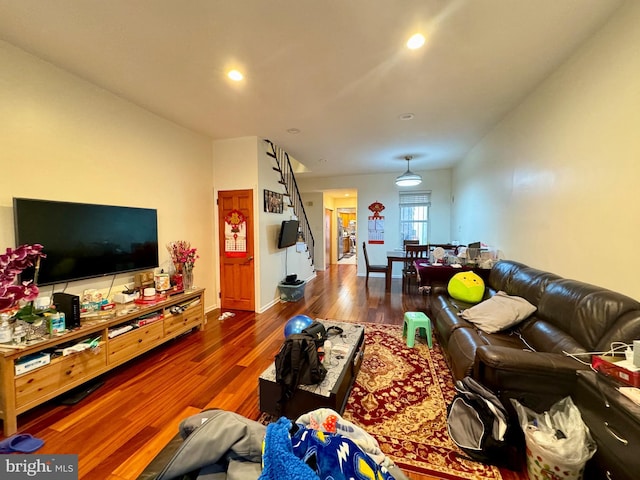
237,275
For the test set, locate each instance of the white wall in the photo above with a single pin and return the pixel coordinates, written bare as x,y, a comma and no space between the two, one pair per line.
555,184
381,188
65,139
276,262
242,163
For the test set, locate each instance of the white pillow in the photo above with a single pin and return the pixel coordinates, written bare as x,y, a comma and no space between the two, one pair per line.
499,312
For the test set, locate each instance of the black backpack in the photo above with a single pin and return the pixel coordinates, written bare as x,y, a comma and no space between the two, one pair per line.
297,363
479,425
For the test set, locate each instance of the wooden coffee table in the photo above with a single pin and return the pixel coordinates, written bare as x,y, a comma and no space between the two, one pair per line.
333,392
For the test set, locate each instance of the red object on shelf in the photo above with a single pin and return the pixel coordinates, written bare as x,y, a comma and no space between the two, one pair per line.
150,300
607,364
176,280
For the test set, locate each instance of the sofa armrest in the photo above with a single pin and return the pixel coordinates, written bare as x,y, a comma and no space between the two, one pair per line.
503,368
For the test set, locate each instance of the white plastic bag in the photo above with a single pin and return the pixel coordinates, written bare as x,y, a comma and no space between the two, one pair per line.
557,440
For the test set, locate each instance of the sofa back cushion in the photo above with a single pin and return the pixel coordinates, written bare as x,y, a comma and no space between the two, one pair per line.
520,280
585,312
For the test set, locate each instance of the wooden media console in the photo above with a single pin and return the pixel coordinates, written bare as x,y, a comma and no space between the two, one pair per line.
152,324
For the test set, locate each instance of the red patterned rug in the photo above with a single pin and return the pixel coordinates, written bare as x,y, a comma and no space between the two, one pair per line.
400,397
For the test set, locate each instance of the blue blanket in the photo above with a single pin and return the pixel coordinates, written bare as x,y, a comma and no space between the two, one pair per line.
312,454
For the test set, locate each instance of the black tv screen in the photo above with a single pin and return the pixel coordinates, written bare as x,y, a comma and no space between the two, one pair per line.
288,233
84,240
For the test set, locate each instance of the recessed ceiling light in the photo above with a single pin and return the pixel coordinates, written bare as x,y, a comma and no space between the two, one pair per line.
235,75
416,41
406,116
293,131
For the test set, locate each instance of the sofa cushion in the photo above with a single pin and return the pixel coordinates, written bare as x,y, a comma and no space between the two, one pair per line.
499,312
520,280
542,336
586,312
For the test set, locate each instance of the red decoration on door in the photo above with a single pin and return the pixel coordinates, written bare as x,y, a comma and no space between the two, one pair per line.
235,234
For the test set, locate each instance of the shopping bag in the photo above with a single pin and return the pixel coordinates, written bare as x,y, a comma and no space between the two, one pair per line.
558,441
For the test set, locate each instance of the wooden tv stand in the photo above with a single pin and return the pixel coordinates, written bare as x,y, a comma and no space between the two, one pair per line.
19,393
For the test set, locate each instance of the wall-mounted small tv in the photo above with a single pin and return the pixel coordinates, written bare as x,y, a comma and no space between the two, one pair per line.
288,233
84,240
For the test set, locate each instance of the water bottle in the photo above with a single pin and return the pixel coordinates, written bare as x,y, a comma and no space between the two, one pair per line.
19,335
5,329
327,351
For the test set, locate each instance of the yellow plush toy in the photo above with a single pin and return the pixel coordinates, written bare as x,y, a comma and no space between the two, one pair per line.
467,287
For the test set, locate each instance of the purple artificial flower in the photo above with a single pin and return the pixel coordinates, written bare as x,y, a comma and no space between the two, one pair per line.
12,263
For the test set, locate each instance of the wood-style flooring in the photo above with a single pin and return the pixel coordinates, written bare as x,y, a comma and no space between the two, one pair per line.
119,428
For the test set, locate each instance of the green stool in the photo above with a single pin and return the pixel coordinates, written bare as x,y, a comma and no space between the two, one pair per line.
413,320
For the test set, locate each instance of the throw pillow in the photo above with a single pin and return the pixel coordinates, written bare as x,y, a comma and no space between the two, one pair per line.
499,312
466,286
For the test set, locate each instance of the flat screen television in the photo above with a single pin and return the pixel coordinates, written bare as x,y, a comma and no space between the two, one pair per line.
288,233
84,240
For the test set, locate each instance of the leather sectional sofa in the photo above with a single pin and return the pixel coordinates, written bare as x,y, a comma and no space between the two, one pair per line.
530,360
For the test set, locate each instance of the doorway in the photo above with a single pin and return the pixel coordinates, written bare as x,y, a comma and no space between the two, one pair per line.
328,235
235,235
347,235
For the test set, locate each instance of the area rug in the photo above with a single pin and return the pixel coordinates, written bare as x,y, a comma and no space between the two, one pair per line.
400,397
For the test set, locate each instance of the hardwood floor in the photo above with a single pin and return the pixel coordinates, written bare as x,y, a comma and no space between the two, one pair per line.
119,428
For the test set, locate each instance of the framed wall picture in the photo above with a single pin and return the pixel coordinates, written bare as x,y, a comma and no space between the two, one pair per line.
273,202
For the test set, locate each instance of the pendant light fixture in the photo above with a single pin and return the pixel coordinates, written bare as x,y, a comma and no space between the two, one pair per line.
408,178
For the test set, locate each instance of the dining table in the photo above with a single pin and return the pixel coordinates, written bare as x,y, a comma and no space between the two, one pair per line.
393,256
429,273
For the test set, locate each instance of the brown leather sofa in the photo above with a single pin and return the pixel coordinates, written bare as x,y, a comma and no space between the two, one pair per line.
529,361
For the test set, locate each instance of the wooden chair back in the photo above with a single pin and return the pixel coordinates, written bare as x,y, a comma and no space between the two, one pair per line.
366,255
372,268
409,242
413,253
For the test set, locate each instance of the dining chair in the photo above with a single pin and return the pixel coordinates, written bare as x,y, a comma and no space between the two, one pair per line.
413,253
372,268
409,242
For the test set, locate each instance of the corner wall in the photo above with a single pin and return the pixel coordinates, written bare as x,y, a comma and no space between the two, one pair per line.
65,139
554,185
242,163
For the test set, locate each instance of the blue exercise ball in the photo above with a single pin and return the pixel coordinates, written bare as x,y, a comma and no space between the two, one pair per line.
296,324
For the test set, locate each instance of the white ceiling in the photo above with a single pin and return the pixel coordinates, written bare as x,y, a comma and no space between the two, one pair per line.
337,70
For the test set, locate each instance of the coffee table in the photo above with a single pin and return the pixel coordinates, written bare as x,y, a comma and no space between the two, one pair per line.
333,391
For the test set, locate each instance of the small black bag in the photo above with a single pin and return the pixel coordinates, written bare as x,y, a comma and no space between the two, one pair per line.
297,363
318,332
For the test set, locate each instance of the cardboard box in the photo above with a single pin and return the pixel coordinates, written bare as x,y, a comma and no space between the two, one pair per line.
610,366
31,362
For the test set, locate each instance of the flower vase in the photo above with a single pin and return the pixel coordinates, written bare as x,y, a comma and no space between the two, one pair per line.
187,277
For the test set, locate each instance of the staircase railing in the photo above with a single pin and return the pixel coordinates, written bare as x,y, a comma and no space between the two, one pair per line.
288,179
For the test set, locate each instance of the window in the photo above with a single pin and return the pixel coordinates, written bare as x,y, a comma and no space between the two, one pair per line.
414,216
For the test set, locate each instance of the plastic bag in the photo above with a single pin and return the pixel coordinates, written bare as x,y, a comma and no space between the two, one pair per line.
556,439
